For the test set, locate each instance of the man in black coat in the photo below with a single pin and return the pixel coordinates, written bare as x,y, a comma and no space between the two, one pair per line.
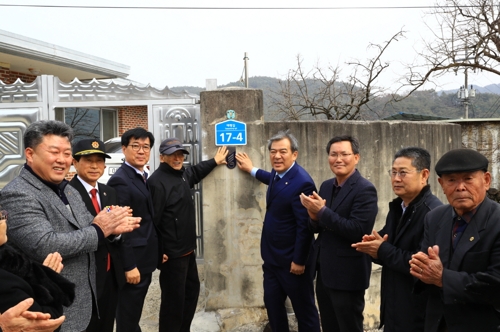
89,162
393,245
461,243
140,250
174,216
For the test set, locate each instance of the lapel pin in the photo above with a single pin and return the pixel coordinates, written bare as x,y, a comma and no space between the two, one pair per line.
471,238
104,193
286,182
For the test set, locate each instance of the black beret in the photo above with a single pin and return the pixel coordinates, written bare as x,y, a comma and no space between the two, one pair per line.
89,146
461,160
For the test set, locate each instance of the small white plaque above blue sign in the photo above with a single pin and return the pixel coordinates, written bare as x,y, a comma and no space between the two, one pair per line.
230,132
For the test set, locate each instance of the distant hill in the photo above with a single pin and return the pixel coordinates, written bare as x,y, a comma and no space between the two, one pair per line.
491,88
427,102
266,84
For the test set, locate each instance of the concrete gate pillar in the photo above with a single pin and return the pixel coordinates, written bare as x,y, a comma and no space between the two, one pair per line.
233,211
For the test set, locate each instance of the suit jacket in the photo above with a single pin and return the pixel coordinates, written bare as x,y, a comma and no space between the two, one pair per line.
344,221
478,250
40,223
285,235
107,196
140,248
400,309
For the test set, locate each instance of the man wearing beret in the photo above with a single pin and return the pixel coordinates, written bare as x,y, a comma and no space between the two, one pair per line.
89,162
461,241
175,218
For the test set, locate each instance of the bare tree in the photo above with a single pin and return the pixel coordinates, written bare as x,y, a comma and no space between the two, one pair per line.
468,37
84,121
320,94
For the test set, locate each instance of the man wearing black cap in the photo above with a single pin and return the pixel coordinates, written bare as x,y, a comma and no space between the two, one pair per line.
461,240
170,186
89,161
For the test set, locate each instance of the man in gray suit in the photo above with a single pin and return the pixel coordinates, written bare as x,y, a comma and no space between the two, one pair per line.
46,215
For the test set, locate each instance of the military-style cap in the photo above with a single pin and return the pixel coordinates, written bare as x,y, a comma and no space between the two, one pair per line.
89,146
461,160
170,145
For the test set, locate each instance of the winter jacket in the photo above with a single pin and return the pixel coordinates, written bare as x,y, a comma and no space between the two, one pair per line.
174,207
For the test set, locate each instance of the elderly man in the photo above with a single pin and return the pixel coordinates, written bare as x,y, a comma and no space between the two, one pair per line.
461,240
46,215
342,212
393,245
175,218
89,162
286,240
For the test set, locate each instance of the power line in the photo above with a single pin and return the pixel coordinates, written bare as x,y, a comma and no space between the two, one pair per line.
493,111
227,8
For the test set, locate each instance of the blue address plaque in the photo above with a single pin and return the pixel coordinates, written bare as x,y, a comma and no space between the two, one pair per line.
230,132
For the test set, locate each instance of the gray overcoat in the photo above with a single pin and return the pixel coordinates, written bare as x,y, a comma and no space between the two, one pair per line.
40,223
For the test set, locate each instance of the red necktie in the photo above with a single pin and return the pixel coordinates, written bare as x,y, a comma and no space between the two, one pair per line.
95,202
97,208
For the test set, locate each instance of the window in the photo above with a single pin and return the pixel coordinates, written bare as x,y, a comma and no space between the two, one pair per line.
100,123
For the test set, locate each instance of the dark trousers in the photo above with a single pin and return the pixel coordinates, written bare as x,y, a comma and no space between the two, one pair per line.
103,317
280,283
130,303
180,288
341,311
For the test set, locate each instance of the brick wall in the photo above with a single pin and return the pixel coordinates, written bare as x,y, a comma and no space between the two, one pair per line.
8,76
132,116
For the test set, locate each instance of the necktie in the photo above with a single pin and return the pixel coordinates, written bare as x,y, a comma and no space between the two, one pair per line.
277,178
145,176
93,193
97,208
458,229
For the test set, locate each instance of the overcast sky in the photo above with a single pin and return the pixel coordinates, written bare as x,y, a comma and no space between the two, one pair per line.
174,47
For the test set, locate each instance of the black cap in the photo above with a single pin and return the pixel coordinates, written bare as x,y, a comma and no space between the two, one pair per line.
461,160
170,145
89,146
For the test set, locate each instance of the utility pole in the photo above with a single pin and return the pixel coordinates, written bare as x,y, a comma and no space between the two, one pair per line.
464,94
246,69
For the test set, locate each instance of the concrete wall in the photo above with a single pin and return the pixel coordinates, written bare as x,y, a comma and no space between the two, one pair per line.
483,136
234,202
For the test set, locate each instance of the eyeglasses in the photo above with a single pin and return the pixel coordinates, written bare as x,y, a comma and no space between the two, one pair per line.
3,215
137,147
401,174
341,156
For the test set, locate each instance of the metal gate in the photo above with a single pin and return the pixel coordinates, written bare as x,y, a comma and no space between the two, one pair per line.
170,114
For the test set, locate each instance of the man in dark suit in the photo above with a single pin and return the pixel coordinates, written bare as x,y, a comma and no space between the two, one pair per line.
139,250
89,162
393,245
461,243
342,212
286,239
